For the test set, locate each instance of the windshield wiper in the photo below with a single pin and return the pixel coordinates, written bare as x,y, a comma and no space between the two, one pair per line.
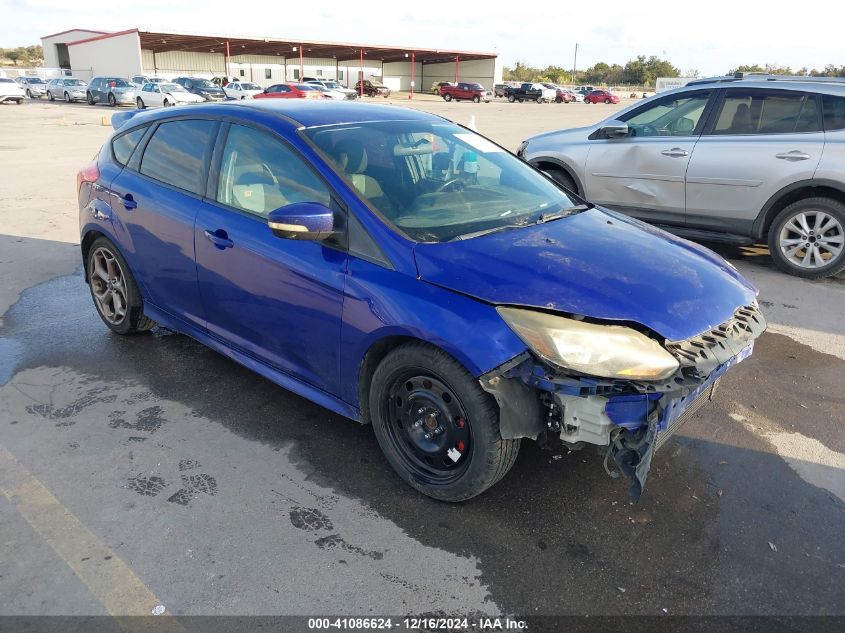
495,229
548,217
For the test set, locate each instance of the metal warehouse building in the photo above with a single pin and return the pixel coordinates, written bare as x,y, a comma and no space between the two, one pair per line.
265,61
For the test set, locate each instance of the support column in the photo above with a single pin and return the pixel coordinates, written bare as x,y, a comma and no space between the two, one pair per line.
361,75
457,59
301,67
228,74
413,63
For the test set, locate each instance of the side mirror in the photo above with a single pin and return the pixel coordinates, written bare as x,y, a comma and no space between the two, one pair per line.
615,129
302,221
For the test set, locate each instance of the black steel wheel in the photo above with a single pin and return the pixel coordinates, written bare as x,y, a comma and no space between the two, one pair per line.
447,97
112,100
476,99
438,429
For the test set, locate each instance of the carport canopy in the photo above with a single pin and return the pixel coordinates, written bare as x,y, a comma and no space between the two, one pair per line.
160,42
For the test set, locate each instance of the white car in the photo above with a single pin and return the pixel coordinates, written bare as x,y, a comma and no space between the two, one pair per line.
10,90
334,88
165,95
242,90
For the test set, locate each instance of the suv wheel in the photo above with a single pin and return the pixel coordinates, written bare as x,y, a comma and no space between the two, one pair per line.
511,98
89,98
807,238
447,97
476,99
112,100
436,426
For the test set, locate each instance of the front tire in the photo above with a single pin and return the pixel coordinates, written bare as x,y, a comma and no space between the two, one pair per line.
511,98
89,99
807,238
112,100
113,289
437,427
562,178
608,101
139,103
476,99
67,97
29,93
447,97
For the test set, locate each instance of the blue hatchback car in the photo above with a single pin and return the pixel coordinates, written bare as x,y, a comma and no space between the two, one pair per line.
404,271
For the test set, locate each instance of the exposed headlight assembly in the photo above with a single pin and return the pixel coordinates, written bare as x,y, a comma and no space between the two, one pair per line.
609,351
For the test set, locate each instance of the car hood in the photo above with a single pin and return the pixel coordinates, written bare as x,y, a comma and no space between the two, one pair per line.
598,264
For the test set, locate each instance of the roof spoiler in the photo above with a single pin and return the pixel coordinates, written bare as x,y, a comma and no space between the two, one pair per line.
119,119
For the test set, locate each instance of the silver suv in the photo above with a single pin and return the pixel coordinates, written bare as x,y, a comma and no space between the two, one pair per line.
732,159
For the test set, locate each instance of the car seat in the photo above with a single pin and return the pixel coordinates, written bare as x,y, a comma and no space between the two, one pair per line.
741,123
254,190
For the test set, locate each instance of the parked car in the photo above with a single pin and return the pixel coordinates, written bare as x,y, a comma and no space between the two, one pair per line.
164,95
140,80
291,91
466,91
737,160
373,89
601,96
500,90
34,87
11,91
437,85
67,88
335,87
335,95
319,262
532,92
561,94
111,90
576,97
202,87
242,90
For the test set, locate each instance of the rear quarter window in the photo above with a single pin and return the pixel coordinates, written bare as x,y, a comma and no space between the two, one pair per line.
122,146
176,153
834,113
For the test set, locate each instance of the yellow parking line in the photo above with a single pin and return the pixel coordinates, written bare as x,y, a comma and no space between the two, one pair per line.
108,578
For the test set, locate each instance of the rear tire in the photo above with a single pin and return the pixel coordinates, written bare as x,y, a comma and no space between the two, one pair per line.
558,99
418,386
788,238
109,275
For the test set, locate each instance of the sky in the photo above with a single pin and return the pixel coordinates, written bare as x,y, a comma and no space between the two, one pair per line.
711,37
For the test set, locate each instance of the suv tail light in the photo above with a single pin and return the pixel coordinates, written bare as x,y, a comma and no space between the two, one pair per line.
89,173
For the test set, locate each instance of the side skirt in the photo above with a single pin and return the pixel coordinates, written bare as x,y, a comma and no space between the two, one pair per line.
317,396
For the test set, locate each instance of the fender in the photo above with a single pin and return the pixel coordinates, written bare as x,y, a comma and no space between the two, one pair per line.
764,217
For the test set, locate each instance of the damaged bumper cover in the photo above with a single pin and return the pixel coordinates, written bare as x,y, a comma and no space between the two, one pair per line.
627,420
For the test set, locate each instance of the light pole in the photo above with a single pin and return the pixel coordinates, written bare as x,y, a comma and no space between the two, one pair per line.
574,64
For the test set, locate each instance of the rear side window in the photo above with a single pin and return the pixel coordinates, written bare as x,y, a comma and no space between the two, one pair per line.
767,112
122,146
176,153
834,112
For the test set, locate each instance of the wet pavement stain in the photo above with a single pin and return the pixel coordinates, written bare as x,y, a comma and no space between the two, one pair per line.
310,519
697,543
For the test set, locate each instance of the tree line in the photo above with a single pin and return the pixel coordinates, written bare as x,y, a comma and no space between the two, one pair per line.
22,55
643,71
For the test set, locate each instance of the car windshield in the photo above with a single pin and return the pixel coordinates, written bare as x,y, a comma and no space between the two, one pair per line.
74,82
332,84
36,80
307,87
167,87
247,86
204,83
116,82
436,181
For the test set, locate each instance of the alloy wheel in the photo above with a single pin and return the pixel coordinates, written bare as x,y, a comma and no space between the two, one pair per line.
108,285
811,239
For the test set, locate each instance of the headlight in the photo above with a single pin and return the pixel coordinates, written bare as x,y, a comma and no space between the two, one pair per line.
609,351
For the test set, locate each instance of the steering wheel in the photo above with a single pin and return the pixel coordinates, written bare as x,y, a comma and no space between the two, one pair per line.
455,184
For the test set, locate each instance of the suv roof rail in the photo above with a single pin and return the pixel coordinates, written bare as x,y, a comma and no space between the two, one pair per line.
758,76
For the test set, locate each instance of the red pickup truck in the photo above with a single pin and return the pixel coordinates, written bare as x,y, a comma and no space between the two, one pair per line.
466,91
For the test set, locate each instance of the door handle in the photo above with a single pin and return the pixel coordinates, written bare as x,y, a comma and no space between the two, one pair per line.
793,155
219,238
675,152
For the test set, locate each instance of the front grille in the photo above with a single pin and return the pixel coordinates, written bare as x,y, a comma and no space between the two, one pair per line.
707,351
702,398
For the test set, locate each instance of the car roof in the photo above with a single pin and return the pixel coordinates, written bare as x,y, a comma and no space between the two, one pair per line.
830,85
298,112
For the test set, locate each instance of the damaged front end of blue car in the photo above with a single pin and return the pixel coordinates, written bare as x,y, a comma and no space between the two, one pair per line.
627,419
